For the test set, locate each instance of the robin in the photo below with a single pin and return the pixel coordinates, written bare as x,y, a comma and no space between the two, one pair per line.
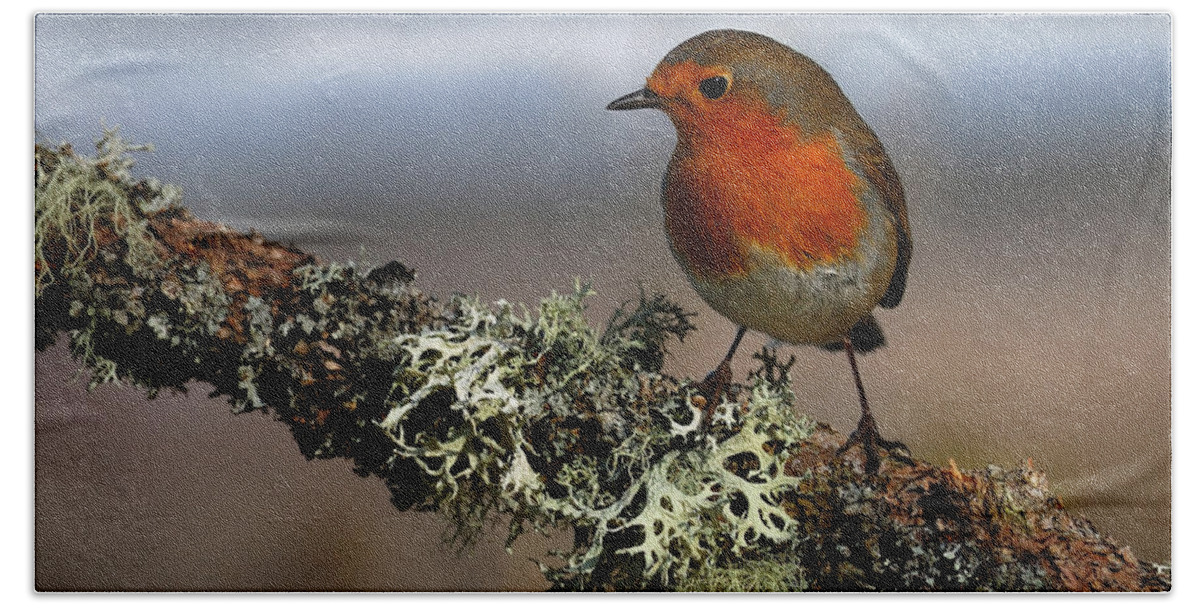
781,205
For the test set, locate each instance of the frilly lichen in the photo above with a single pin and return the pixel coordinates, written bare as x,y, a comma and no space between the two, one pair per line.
549,421
75,195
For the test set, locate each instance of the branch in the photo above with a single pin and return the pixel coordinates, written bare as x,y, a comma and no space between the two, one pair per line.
488,411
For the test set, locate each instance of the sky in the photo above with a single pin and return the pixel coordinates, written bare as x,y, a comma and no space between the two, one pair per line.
1035,152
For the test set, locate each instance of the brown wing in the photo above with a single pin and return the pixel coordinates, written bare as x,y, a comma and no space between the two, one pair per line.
882,174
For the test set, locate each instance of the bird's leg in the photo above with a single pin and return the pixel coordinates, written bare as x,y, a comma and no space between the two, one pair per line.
717,381
867,433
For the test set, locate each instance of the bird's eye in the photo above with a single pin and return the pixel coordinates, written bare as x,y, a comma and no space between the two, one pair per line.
714,87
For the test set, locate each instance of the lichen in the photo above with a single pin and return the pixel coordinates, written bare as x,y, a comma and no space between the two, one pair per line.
547,420
77,199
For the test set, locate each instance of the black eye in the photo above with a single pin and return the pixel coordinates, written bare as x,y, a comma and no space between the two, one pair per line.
714,87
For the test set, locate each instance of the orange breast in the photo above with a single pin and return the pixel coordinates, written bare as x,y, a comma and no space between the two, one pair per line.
743,179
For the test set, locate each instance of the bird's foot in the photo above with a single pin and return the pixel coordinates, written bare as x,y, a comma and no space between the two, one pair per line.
713,387
867,436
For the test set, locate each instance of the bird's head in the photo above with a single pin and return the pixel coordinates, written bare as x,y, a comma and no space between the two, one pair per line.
730,81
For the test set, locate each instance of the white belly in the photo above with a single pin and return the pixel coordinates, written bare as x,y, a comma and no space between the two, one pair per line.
801,307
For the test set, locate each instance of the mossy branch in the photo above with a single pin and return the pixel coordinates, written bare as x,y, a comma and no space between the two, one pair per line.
482,411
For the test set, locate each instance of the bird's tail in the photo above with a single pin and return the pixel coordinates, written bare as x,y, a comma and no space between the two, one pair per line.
865,336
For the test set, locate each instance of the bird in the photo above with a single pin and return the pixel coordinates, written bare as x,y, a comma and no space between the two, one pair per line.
780,203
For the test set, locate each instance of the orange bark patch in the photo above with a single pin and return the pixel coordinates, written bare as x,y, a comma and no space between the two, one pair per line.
246,264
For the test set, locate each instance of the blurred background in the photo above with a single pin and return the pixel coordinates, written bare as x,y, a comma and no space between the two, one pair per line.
1035,151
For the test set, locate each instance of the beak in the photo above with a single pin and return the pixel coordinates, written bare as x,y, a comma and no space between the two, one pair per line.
637,100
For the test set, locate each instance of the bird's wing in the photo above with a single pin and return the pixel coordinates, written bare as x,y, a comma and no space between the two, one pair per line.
881,173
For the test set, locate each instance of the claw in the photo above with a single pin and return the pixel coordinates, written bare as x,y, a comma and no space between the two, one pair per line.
867,435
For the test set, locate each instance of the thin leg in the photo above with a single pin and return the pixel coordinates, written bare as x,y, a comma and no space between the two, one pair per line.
867,433
862,393
717,381
733,347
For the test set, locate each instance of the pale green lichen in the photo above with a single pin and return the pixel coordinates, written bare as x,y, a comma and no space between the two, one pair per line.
752,576
649,483
76,194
